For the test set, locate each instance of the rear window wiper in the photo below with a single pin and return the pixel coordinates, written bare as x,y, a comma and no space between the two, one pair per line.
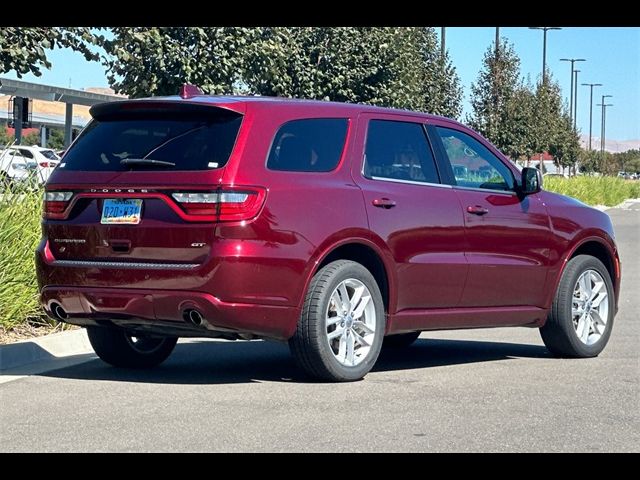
146,162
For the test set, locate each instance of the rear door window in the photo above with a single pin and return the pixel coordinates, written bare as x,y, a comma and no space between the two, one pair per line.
310,145
191,143
399,151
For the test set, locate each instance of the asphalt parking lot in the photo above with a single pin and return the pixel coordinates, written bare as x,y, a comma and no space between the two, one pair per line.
483,390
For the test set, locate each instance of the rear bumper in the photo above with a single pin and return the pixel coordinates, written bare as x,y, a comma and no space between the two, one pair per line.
163,311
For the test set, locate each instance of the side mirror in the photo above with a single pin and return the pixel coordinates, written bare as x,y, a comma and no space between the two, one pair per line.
531,181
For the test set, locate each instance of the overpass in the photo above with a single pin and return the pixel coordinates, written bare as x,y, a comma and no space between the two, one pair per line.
20,89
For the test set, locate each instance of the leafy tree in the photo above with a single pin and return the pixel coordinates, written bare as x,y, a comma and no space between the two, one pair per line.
547,115
589,161
375,65
628,161
347,64
23,50
440,89
518,138
565,143
145,61
492,93
5,138
31,138
56,139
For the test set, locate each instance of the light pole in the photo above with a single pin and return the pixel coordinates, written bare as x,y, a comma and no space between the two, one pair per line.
602,126
572,60
544,49
575,102
591,108
442,41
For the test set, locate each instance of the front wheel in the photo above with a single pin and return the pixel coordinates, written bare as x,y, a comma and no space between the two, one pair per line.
341,327
121,348
581,317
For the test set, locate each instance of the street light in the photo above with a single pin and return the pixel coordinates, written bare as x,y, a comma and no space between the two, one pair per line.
575,102
572,60
544,49
591,107
604,120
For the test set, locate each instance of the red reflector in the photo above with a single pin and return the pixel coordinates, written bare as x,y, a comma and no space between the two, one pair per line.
200,208
44,164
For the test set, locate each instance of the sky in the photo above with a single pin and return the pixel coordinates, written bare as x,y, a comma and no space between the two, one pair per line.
612,54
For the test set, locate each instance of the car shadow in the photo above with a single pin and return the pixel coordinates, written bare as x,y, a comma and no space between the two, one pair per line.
205,362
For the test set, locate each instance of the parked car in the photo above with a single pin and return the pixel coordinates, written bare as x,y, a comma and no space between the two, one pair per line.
14,167
326,225
39,162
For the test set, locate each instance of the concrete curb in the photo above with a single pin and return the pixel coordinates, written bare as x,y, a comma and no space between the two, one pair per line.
37,355
624,205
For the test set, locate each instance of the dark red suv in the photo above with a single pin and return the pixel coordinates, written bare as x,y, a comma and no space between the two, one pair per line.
326,225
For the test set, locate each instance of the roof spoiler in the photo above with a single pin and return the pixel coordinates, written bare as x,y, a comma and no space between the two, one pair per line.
189,91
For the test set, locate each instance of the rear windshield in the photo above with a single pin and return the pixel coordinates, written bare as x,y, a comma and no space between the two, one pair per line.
189,142
50,154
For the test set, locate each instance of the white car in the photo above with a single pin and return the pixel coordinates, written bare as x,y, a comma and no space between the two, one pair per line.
19,162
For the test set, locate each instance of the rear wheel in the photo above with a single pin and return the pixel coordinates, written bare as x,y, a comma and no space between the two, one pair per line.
581,317
402,340
5,180
341,327
121,348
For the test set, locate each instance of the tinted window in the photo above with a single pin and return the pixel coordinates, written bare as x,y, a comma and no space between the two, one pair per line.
399,151
50,154
312,145
197,143
473,164
25,153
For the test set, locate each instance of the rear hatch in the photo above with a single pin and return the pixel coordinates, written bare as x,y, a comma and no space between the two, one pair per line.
141,184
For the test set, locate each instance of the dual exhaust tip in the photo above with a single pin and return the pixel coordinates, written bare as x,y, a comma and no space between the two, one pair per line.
194,317
59,312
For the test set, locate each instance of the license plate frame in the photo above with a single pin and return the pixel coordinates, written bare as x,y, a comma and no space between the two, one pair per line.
121,211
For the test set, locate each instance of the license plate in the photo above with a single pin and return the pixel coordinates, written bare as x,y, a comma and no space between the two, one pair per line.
120,210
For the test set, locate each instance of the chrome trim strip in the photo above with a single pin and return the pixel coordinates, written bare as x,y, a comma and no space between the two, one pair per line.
146,266
490,190
410,182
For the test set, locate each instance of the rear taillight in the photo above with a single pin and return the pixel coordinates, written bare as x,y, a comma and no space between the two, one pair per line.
45,164
55,204
225,205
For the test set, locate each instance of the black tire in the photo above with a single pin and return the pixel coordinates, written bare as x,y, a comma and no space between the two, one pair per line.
310,346
116,347
402,340
5,180
558,333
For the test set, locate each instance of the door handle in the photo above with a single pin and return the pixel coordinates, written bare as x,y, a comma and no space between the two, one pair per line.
384,203
477,210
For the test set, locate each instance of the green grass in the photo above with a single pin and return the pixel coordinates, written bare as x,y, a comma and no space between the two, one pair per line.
609,191
20,214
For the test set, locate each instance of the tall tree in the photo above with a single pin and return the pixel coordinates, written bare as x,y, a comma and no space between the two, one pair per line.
24,49
347,64
492,92
565,143
440,87
547,114
518,140
146,61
